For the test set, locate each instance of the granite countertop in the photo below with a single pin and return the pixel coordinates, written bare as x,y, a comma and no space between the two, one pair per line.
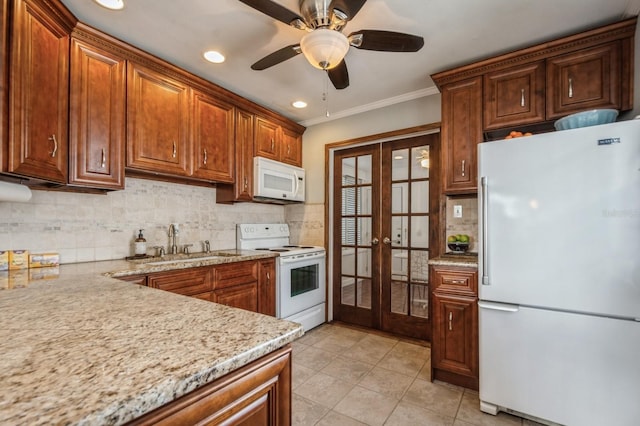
84,348
468,260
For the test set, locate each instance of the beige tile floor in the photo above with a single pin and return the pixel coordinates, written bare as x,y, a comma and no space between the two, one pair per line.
347,376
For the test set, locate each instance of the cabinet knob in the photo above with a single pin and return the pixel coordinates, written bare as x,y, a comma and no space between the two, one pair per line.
104,159
55,145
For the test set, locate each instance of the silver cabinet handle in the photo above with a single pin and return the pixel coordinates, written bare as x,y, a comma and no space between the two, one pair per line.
450,320
174,150
268,277
104,159
246,183
375,241
570,88
386,240
463,164
205,157
55,145
484,203
272,144
288,149
522,98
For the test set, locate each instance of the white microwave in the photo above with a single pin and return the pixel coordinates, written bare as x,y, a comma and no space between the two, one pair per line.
277,182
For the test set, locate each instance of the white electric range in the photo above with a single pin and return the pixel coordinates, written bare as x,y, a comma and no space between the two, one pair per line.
301,289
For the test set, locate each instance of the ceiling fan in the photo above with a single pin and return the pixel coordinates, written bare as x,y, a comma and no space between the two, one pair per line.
324,45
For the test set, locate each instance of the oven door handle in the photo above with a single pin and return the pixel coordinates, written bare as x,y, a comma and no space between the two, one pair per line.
301,257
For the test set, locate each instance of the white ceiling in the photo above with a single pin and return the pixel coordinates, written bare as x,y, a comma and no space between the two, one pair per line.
456,32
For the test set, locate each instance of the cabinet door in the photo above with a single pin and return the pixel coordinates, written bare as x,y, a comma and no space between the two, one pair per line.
213,130
267,142
455,334
267,287
514,96
589,78
242,189
97,119
461,132
291,147
244,296
39,93
190,282
157,122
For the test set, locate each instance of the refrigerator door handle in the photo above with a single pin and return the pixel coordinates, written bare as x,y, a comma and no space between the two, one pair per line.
494,306
484,184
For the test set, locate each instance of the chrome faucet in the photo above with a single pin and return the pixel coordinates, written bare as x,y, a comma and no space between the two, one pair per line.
173,238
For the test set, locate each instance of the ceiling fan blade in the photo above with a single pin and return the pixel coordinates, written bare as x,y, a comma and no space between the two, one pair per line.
385,41
348,7
339,76
277,57
276,11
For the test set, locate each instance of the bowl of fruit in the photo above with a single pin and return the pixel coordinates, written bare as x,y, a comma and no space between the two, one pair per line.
458,243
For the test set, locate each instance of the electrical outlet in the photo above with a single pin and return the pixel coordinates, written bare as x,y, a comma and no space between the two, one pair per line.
457,211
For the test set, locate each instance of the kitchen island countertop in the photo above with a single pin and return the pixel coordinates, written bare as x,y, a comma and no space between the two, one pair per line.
84,348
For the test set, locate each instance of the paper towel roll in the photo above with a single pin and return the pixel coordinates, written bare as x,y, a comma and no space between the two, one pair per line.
14,192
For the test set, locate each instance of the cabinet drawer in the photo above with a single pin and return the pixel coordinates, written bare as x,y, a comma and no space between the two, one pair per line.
190,282
235,273
451,280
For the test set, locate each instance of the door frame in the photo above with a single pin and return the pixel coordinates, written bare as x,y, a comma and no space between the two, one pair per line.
436,233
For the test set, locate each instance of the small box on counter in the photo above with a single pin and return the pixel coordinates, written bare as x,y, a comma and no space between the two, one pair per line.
18,259
4,260
44,273
43,260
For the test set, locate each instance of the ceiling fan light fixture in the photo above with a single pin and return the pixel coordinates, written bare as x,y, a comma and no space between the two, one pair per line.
324,48
111,4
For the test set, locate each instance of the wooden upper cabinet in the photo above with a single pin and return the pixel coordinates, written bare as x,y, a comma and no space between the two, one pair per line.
97,117
461,131
514,96
267,139
589,78
291,147
39,90
157,122
213,138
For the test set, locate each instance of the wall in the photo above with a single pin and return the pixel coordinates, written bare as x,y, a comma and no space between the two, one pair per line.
87,227
467,224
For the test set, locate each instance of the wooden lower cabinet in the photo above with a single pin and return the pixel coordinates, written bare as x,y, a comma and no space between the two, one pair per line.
454,343
249,285
256,394
243,296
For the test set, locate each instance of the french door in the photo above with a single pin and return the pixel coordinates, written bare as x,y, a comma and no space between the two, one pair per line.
383,226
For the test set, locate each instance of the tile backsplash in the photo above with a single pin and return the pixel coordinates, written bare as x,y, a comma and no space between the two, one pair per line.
88,227
467,224
306,223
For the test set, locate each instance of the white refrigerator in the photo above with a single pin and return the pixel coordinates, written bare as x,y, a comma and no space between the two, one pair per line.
559,265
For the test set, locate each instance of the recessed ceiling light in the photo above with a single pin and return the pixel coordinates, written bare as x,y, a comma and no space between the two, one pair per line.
213,56
111,4
299,104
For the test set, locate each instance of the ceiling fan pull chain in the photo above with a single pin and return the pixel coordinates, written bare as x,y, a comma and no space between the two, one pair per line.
325,95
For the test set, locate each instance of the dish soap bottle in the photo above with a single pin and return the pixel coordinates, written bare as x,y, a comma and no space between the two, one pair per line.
140,245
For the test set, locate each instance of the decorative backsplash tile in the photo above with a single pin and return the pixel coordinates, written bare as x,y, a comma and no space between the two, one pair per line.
306,223
88,227
467,224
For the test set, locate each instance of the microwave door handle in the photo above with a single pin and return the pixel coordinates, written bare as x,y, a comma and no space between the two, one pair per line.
295,176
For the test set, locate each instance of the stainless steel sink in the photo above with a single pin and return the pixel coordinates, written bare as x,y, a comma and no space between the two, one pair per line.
188,260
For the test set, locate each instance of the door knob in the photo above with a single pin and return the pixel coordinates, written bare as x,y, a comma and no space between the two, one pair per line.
375,241
386,240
